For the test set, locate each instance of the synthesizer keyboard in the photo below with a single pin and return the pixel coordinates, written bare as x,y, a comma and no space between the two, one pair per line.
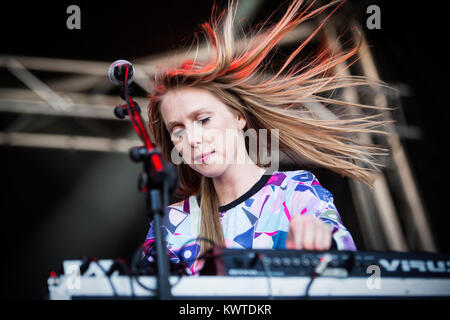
253,262
283,274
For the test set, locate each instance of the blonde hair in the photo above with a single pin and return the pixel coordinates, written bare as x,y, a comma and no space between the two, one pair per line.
272,102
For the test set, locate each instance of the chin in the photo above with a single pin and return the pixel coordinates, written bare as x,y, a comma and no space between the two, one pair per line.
209,170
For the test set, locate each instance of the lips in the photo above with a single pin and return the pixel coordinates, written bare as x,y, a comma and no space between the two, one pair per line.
204,156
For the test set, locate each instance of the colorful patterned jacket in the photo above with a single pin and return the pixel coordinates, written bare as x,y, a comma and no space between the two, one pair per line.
258,219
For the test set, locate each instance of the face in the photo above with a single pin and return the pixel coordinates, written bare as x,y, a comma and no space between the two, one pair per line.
205,131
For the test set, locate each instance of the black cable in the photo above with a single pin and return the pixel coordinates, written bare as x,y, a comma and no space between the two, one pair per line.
267,274
86,261
259,256
135,269
196,259
143,286
317,271
107,276
197,239
133,294
119,264
308,286
136,259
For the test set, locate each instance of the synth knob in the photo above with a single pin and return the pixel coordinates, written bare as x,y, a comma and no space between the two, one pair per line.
276,261
305,261
296,262
286,261
315,261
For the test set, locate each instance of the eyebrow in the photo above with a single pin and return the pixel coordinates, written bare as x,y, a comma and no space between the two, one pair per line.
190,115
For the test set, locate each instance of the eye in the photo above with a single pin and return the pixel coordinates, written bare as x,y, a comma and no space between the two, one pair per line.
177,133
205,120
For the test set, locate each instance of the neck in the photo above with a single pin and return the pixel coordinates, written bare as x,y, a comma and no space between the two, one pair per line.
236,181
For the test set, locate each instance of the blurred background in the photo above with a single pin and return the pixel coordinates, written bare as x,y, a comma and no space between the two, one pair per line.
69,188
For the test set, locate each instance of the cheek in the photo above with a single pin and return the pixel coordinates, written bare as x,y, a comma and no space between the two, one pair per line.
214,139
224,142
219,133
180,147
185,150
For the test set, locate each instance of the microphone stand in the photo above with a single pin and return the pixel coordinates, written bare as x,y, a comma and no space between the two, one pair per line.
157,179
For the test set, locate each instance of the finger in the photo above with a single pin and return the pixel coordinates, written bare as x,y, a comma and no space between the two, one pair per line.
296,228
290,244
298,235
327,237
309,227
319,239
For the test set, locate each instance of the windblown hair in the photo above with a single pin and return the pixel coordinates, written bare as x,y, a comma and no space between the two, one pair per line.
280,101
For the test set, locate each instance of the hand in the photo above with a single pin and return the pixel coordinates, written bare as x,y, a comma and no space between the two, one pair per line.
309,233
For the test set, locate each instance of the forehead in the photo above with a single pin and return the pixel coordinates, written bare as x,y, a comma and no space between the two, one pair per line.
179,103
187,98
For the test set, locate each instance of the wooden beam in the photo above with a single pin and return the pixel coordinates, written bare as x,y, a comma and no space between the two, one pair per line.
409,187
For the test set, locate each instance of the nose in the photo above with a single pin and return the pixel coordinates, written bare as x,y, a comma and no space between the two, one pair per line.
195,136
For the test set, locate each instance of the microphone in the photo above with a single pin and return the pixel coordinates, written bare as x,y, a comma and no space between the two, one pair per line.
116,72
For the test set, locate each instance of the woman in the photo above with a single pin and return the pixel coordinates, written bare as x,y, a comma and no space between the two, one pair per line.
203,110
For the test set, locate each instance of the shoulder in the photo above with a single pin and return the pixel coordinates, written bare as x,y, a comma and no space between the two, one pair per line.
294,177
180,216
177,204
283,178
304,181
187,205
